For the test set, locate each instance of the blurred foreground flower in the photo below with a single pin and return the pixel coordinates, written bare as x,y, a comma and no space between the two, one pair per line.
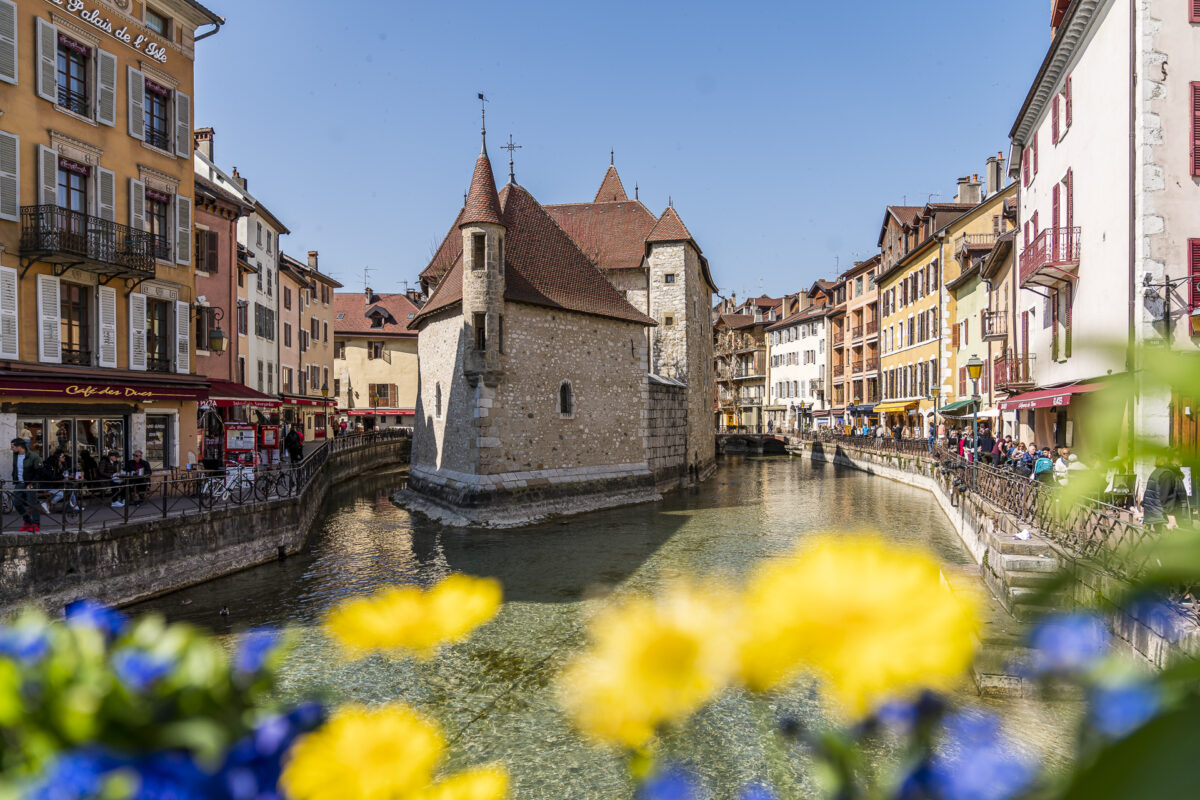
978,765
652,661
1117,711
403,619
1068,643
874,621
389,753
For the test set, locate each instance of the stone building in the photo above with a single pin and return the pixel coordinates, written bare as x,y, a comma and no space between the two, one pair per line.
536,394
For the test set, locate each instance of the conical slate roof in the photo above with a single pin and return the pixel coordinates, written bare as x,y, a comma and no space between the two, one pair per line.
483,204
611,189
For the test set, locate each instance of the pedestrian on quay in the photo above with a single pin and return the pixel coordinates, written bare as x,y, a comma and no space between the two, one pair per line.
294,445
897,431
26,472
1043,467
138,470
110,470
932,436
1165,501
985,446
879,434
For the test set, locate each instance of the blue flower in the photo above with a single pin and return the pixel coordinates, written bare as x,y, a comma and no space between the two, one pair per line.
253,765
671,784
26,645
756,792
89,613
1117,711
1068,643
74,775
978,766
254,649
138,669
172,775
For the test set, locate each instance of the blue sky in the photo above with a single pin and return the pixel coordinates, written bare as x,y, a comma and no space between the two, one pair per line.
780,130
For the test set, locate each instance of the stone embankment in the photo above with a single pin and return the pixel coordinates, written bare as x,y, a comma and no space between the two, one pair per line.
1018,571
136,561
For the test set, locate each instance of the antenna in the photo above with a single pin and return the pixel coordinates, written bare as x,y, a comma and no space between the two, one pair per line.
367,278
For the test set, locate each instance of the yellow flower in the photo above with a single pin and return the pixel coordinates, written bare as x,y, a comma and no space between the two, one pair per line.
362,754
406,618
482,783
652,661
873,620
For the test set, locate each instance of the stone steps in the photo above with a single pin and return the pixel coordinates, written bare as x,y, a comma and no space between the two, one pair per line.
1027,563
1021,579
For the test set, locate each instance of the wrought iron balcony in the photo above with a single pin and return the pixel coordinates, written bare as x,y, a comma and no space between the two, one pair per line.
839,370
58,235
994,325
76,102
1051,259
856,332
157,138
872,327
838,337
1012,372
76,357
856,367
158,364
872,364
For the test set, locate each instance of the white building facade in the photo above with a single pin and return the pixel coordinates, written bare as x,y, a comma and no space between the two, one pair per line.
796,359
1103,209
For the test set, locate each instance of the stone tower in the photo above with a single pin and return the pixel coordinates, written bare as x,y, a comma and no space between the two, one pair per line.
482,231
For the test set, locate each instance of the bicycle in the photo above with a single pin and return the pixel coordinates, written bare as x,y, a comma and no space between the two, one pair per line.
275,483
234,485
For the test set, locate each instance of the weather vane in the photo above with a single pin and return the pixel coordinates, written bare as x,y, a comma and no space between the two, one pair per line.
482,120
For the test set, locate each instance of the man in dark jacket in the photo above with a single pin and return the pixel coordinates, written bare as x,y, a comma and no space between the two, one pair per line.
1165,501
26,472
138,471
294,445
986,445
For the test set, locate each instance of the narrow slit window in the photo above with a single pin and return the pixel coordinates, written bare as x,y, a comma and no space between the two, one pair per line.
566,399
480,331
478,251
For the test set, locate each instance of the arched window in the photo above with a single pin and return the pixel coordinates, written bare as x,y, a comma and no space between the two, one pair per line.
566,399
437,401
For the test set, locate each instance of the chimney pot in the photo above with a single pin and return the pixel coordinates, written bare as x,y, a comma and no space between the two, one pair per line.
203,138
312,259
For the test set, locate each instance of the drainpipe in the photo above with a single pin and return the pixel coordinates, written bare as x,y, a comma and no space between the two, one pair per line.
214,31
1131,359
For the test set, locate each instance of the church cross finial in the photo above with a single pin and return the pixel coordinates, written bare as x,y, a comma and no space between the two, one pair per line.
612,157
510,147
635,191
482,123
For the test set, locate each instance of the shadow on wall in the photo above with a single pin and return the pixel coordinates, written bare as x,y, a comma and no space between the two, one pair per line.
457,398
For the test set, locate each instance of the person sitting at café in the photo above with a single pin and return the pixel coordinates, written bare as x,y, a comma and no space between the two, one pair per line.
138,472
110,470
56,472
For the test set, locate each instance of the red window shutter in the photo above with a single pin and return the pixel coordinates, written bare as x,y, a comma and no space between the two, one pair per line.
1054,120
1194,273
1054,198
1025,332
1195,11
1027,156
1195,128
1035,153
1070,182
954,336
1054,326
1027,233
1070,306
1067,96
1036,229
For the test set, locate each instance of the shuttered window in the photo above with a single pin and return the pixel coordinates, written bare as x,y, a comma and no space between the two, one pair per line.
137,331
1054,120
8,41
49,330
1194,273
10,176
1194,10
1067,104
1195,98
106,303
9,319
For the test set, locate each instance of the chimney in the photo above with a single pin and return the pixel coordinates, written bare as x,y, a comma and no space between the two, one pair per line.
995,174
415,297
312,259
204,142
239,180
969,190
369,294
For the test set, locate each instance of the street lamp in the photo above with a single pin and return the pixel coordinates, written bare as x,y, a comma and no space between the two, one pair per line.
974,370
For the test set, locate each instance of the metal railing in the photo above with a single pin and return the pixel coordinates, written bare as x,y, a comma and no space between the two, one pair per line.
994,324
1053,247
975,240
53,230
76,357
76,102
77,505
856,332
1011,371
872,327
839,370
157,138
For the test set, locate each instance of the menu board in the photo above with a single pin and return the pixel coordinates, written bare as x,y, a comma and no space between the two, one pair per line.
269,436
239,437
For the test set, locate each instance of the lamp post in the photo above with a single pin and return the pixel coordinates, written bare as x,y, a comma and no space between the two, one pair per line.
974,370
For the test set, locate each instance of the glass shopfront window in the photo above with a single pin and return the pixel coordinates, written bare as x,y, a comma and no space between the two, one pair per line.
83,439
158,440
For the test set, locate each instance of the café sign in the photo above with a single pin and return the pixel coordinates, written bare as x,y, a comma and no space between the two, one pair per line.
137,41
90,390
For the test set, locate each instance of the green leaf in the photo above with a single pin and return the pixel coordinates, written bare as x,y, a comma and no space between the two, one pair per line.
1157,761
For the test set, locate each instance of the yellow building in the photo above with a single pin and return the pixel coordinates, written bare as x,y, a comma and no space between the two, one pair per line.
374,359
96,248
918,366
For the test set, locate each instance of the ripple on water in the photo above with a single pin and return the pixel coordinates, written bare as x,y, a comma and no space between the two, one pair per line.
494,694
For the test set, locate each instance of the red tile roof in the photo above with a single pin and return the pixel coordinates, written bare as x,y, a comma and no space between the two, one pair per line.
737,320
482,202
812,312
543,266
352,318
612,235
670,228
610,190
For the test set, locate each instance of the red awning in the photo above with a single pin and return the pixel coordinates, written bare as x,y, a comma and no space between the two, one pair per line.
299,400
1047,398
97,387
378,412
227,394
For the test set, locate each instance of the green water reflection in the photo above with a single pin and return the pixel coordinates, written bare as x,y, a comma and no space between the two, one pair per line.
494,693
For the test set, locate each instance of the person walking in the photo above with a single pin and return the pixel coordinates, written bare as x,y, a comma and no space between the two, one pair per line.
294,445
986,446
1043,468
932,436
1165,501
26,471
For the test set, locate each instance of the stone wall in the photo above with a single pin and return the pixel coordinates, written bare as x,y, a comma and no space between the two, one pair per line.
632,284
666,432
1010,566
140,560
445,439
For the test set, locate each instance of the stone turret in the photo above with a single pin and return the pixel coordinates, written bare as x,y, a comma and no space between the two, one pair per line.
483,230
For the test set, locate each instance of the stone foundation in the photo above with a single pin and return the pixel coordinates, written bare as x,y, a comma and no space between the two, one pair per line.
521,498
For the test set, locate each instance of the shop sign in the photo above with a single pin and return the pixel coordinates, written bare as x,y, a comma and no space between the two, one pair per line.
239,437
137,41
269,436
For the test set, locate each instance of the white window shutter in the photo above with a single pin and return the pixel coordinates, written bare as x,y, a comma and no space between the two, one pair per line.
183,230
47,176
49,326
8,41
8,314
10,176
137,205
137,331
107,301
106,88
136,82
183,337
47,61
183,125
106,185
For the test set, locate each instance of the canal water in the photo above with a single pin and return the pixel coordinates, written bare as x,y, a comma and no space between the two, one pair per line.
494,694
